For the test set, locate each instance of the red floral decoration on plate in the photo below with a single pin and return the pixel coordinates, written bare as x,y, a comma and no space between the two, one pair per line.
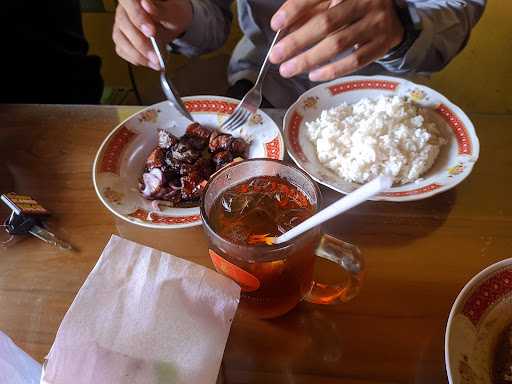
293,136
152,217
159,219
111,158
140,214
362,84
412,192
487,294
273,148
458,128
215,106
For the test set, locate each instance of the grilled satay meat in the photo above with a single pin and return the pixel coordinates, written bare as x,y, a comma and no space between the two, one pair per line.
222,158
170,172
185,168
174,169
191,188
198,131
197,136
213,135
224,142
172,164
166,139
184,153
178,169
238,147
155,159
194,142
205,167
220,142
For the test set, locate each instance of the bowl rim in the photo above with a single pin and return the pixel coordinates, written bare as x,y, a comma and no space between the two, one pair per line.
120,124
463,294
470,127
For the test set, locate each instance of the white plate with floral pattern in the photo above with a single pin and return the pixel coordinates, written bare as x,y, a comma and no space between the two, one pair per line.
121,157
455,160
481,312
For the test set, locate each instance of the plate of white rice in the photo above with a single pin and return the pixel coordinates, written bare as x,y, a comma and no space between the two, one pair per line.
346,132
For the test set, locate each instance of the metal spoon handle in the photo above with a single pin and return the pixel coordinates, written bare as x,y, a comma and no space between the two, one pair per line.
170,92
158,53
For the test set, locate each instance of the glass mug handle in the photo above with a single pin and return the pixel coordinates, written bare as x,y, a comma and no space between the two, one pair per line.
348,257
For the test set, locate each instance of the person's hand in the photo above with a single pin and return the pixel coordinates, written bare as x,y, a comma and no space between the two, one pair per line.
136,20
320,30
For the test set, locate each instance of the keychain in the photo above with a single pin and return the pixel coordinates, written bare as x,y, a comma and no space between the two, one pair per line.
27,217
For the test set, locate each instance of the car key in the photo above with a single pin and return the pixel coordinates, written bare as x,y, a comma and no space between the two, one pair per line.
26,218
50,238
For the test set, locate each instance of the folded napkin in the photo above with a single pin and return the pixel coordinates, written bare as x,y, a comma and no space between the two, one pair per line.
143,316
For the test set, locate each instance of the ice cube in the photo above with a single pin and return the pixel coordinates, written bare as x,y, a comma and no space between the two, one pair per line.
260,185
234,203
290,218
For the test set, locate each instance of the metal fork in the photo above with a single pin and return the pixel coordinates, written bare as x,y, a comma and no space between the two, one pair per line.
170,92
252,99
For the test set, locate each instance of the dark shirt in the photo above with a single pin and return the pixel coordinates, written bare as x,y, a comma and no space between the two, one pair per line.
44,54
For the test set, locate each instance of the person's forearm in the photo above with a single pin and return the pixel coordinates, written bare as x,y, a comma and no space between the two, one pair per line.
445,30
209,28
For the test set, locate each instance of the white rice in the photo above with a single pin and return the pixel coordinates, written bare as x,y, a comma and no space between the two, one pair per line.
387,135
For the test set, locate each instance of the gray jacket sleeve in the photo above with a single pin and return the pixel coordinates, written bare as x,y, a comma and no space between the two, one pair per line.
209,30
445,30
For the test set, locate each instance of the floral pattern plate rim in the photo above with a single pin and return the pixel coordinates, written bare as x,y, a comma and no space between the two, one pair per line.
454,163
121,157
478,316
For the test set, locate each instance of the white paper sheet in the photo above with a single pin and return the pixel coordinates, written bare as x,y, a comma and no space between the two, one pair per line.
144,316
16,367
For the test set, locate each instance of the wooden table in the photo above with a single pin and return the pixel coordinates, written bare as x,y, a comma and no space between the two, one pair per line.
419,255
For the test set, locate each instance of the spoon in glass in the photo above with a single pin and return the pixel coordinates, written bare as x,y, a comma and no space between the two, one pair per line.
357,197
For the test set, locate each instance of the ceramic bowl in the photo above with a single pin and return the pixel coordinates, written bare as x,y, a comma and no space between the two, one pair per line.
455,160
479,315
121,157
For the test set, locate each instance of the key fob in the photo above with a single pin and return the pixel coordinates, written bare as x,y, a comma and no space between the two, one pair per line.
24,205
20,224
26,212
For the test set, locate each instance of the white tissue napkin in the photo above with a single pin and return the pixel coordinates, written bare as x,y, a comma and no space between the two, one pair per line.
144,316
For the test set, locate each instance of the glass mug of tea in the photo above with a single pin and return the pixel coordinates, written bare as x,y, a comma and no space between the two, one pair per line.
268,197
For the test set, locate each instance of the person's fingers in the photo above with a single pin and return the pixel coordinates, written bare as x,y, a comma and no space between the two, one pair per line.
290,12
325,50
153,8
138,40
139,17
317,28
364,55
172,17
127,51
320,7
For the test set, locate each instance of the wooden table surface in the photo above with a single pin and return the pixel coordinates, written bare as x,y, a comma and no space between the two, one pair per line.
419,255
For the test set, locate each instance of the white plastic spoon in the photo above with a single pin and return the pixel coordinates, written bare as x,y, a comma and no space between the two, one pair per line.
357,197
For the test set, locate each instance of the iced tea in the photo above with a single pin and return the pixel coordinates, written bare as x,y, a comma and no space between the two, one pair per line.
269,205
